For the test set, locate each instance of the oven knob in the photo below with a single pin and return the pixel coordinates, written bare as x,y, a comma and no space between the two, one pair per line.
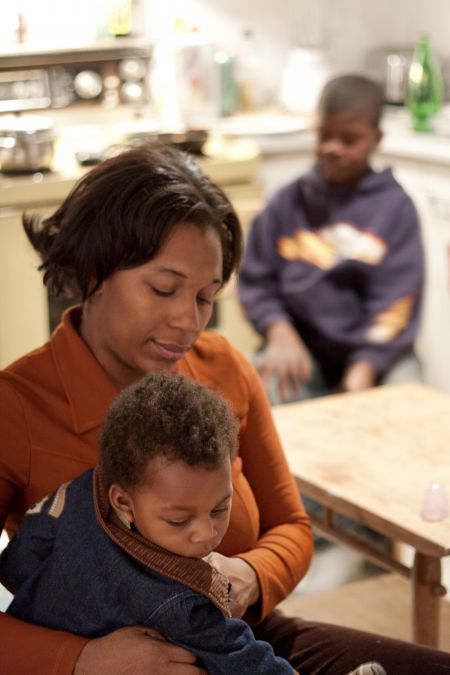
132,69
88,84
132,91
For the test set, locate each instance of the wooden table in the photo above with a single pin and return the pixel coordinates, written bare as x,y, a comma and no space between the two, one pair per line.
369,456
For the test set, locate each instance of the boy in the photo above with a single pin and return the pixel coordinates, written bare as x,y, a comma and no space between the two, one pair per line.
333,269
123,544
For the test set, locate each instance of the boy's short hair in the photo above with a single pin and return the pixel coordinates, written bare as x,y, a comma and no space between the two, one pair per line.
168,415
353,93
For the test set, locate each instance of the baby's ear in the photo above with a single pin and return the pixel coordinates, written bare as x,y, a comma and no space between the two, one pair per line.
122,502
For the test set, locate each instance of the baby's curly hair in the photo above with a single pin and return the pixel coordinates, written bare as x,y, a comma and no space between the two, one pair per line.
165,415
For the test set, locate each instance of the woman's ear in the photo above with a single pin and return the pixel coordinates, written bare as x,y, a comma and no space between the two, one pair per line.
122,502
98,291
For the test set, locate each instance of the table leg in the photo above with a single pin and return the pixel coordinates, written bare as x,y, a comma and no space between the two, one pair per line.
427,589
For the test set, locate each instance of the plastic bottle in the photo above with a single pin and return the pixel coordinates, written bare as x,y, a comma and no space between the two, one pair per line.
120,18
424,91
249,73
228,95
185,79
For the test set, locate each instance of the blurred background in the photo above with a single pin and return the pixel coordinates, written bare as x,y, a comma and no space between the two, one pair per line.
271,43
235,82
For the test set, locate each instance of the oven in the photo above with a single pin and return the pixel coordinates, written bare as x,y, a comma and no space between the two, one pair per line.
109,74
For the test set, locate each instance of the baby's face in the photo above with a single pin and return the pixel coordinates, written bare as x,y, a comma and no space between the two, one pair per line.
345,141
181,508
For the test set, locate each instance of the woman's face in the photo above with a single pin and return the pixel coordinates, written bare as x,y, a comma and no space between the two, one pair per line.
146,318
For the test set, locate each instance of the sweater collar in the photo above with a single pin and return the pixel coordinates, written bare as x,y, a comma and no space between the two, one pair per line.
88,389
194,573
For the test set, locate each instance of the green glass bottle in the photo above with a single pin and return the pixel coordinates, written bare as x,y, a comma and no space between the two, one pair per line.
424,92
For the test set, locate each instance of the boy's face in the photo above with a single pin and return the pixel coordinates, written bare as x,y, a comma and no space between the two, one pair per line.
181,508
345,141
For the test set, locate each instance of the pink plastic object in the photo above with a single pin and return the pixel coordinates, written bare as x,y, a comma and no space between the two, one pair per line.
434,502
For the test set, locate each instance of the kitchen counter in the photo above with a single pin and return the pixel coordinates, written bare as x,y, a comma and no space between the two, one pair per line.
227,161
399,139
231,158
288,151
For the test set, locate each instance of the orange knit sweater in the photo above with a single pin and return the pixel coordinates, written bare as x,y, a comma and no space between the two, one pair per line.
52,402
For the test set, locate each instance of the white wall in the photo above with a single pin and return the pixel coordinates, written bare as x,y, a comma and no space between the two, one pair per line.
356,25
223,21
345,29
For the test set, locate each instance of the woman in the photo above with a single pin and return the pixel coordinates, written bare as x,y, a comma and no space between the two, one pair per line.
147,242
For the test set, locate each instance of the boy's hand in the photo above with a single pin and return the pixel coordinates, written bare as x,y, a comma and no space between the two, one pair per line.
244,582
286,358
359,375
138,650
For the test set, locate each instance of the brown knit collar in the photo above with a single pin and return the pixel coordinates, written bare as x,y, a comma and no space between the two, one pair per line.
192,572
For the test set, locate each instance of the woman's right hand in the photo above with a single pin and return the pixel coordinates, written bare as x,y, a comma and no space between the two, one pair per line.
285,357
135,650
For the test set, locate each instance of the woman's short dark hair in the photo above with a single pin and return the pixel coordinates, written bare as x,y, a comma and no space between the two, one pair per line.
120,213
354,93
165,415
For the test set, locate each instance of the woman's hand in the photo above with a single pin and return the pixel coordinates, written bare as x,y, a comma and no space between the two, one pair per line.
358,375
135,650
286,358
244,582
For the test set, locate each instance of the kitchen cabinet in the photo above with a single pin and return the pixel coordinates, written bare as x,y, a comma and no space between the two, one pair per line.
23,297
279,169
428,185
230,318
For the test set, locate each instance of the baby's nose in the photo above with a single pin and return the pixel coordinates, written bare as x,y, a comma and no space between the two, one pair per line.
204,532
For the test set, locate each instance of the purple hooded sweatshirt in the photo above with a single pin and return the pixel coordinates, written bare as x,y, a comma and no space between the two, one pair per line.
344,265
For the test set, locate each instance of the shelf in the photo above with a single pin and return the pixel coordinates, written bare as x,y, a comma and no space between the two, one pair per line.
107,50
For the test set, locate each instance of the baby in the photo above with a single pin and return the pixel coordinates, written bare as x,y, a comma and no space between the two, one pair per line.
122,545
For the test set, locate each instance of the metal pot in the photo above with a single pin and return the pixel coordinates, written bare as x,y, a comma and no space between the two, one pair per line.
26,143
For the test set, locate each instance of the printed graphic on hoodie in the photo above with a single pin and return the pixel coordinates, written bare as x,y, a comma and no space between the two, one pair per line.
326,247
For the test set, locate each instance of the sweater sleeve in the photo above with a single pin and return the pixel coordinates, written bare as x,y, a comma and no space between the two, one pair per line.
14,449
30,546
222,644
25,648
258,283
283,552
393,296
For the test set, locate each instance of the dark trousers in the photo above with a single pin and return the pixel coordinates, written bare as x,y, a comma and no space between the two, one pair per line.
323,649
